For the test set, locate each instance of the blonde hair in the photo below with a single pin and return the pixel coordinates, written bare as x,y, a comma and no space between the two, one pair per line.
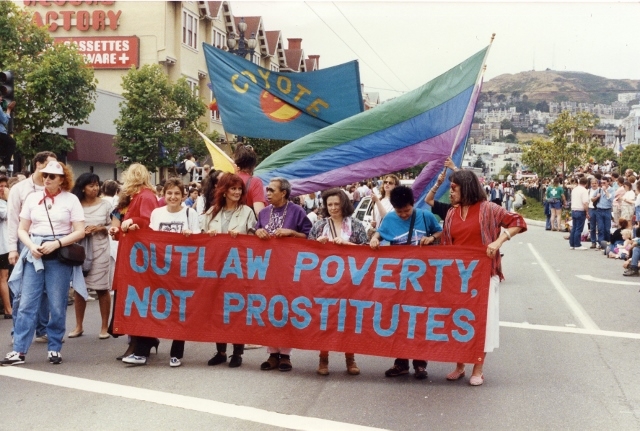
627,232
394,177
135,178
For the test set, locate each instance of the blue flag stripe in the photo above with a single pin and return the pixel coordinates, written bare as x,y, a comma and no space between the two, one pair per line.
402,135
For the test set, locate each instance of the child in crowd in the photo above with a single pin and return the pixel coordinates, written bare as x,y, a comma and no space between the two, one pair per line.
623,251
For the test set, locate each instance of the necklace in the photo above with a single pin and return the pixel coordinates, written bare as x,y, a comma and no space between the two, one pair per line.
462,210
273,224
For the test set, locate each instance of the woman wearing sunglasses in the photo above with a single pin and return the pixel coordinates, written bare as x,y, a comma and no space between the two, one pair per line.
382,205
48,221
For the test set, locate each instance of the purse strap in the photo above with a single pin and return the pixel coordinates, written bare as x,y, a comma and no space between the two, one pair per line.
44,202
413,221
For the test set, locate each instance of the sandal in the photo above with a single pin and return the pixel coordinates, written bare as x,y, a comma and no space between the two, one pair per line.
455,375
476,380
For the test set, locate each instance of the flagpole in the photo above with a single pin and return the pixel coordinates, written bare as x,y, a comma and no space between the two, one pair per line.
478,80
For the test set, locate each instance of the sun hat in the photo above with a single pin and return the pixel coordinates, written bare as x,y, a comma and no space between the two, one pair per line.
53,168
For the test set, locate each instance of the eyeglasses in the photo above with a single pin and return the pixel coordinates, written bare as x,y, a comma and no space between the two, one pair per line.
393,183
47,175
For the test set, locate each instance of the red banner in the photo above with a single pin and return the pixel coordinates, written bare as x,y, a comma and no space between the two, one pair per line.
404,301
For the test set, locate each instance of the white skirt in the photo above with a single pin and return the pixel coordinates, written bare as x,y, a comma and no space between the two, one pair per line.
492,338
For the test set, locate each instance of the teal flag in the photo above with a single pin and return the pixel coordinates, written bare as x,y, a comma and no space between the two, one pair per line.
261,103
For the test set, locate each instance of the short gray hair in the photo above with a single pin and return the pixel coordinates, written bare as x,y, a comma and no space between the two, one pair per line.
284,185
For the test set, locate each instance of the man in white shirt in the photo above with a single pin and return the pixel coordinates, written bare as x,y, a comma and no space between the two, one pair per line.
579,213
190,166
17,195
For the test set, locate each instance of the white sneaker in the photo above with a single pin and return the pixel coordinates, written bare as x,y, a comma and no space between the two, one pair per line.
13,358
54,357
135,360
582,248
174,362
42,339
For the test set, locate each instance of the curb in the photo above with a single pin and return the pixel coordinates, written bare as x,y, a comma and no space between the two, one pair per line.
538,223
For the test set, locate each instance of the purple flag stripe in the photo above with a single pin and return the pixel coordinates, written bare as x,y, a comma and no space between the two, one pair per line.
437,147
435,166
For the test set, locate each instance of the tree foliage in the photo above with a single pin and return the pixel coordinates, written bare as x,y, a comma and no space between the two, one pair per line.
630,158
157,120
600,154
265,147
571,138
53,85
540,157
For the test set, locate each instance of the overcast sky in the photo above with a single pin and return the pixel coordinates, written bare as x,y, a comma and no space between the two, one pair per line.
401,45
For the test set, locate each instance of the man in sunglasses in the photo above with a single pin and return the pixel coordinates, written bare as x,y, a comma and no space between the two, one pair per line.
17,195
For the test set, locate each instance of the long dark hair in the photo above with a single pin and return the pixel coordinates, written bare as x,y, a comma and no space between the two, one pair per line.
83,181
226,182
209,188
471,191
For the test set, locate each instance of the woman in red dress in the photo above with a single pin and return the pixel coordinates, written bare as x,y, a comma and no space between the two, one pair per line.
473,221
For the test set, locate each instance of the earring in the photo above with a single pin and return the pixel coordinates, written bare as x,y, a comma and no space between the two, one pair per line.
224,196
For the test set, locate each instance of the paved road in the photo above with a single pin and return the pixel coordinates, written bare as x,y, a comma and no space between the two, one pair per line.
568,360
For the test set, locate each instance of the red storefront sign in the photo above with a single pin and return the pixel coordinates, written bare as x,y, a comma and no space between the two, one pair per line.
107,52
408,302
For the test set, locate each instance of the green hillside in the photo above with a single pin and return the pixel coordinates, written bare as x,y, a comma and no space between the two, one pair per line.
557,86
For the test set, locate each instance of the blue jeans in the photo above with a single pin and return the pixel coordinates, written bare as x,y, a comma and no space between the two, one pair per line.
635,256
593,224
603,220
43,313
578,218
54,280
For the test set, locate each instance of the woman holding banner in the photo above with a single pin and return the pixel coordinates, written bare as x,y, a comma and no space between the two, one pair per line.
281,218
135,204
338,227
178,219
472,221
229,216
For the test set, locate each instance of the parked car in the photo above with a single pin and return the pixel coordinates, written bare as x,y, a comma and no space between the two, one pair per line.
364,212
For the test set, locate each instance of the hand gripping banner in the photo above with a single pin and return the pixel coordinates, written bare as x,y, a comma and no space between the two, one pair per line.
403,301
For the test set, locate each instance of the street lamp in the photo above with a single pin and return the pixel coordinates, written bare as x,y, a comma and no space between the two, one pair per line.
245,46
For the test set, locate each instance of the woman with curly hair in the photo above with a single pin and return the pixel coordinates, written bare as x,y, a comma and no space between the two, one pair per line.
48,221
137,201
229,216
382,204
337,227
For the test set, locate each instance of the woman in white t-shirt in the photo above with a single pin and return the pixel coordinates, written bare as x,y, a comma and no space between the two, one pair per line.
628,201
382,205
49,220
173,217
229,216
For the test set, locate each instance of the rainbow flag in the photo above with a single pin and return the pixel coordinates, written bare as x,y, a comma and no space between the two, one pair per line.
420,126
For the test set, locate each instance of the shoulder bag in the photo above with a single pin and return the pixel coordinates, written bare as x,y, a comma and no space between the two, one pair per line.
72,254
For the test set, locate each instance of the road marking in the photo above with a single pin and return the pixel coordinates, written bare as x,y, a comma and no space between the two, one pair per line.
181,401
570,330
573,304
603,280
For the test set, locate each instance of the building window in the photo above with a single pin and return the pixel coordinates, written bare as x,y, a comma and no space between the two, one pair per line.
274,68
193,85
255,59
190,29
219,39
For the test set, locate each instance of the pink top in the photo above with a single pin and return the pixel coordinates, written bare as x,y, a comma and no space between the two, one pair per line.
65,210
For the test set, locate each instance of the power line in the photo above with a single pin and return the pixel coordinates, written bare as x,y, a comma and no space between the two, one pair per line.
365,41
347,45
